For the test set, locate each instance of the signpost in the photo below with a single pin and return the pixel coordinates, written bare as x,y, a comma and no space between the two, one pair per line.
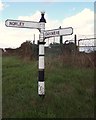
43,35
22,24
58,32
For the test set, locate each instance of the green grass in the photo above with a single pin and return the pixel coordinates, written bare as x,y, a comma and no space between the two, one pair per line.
69,90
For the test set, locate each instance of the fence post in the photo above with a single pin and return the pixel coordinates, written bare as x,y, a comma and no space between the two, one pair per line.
75,39
41,82
61,40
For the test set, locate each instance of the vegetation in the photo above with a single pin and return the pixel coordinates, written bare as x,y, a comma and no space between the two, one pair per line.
69,90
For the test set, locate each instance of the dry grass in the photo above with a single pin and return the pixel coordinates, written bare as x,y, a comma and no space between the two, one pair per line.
78,60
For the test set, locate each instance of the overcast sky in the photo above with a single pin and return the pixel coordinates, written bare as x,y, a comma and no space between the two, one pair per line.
79,15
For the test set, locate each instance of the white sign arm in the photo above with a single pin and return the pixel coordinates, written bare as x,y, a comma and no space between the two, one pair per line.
22,24
58,32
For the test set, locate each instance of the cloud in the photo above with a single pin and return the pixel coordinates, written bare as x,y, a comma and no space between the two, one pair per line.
82,23
35,17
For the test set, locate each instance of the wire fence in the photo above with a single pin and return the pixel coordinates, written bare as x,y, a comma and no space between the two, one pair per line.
74,52
87,45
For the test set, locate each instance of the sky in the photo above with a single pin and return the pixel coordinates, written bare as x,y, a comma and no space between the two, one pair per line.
79,15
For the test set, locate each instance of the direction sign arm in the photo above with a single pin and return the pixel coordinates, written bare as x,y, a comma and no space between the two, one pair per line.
58,32
22,24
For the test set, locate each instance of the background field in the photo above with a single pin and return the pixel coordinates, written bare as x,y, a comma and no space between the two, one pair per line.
69,89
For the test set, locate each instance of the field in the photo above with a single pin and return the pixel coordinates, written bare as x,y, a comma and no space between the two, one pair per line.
69,90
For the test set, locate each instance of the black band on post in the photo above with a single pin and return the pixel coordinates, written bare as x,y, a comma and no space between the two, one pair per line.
41,55
41,76
41,43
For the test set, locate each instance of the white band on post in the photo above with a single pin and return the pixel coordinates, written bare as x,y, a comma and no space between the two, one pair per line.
41,49
41,86
41,62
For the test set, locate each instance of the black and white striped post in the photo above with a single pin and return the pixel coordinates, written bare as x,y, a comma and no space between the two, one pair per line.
41,82
43,35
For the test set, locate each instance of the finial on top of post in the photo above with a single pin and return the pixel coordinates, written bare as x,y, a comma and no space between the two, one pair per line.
42,12
42,17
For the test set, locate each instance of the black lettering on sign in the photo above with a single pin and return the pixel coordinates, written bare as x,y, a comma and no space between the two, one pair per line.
52,33
16,24
12,23
21,24
57,32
